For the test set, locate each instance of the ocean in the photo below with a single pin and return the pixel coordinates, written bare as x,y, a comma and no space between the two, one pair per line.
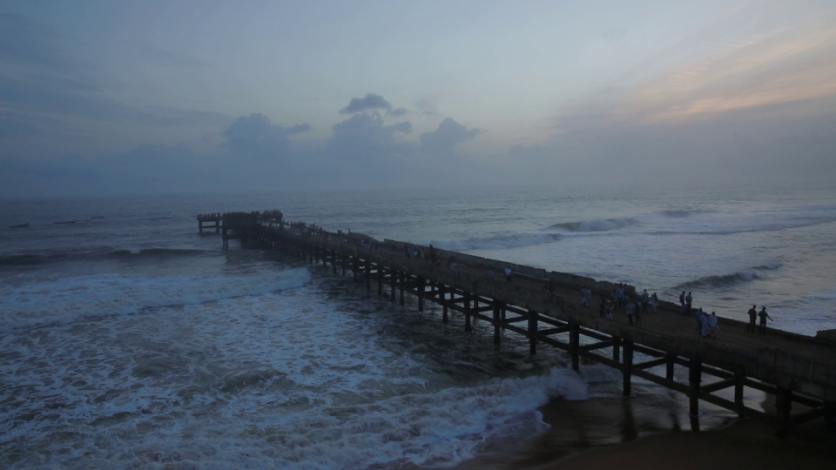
128,340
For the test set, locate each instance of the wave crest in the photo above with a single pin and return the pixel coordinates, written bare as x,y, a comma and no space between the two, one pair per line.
496,242
726,280
597,225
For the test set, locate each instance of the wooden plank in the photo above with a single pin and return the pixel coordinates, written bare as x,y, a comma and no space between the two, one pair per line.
554,331
516,319
719,385
653,363
593,346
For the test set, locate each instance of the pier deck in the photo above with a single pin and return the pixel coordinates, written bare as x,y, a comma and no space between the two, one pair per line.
797,369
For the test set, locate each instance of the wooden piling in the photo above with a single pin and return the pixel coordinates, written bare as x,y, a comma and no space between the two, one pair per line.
441,294
467,326
496,322
695,377
574,344
627,366
532,332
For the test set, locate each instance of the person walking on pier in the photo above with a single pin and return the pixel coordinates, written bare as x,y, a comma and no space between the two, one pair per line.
630,308
753,316
764,316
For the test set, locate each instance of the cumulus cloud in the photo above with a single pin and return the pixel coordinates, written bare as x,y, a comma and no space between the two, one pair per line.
449,134
256,135
368,102
366,136
299,128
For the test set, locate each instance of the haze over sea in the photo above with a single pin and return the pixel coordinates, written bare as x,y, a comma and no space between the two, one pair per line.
128,340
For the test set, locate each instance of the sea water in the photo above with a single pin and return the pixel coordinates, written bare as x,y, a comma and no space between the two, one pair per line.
127,340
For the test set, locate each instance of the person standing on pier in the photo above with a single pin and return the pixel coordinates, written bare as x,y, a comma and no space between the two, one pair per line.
645,301
713,325
654,302
753,316
688,300
508,274
682,302
630,308
764,316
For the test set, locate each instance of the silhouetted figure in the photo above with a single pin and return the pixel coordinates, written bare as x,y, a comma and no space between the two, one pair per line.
508,274
764,316
753,317
688,300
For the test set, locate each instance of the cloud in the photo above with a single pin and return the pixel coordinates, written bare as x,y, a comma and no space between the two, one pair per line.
299,128
369,102
398,112
365,136
449,134
785,65
254,134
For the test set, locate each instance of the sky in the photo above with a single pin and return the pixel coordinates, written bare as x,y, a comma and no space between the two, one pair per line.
103,97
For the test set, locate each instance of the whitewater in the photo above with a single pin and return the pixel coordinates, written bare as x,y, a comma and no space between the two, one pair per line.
128,340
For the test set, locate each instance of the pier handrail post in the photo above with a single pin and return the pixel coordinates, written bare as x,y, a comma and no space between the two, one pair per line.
441,296
739,382
496,322
616,348
695,377
467,326
533,317
783,405
402,284
670,363
627,365
574,343
419,291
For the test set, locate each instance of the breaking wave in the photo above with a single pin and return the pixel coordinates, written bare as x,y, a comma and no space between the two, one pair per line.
27,259
726,280
598,225
77,297
496,242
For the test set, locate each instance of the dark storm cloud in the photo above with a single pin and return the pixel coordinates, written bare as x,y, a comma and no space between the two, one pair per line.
299,128
448,135
368,102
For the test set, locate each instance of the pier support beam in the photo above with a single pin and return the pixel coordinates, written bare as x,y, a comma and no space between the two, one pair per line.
669,365
783,405
574,343
441,295
627,370
368,275
467,326
739,382
419,289
695,377
379,280
533,317
616,348
393,281
334,262
402,283
496,322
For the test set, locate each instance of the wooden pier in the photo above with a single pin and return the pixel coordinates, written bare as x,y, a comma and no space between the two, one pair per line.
800,371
